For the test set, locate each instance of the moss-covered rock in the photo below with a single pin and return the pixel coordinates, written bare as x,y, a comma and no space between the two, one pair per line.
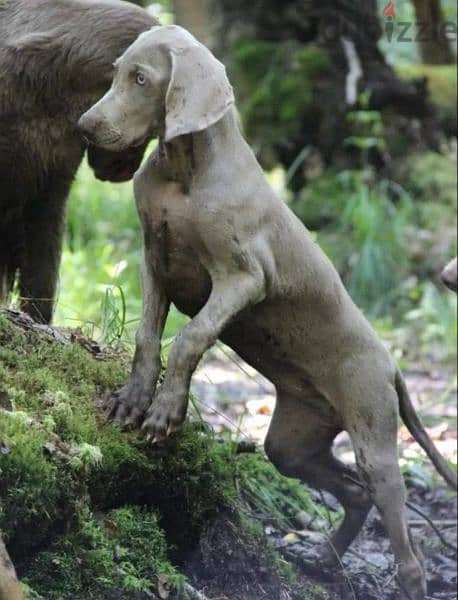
89,511
59,448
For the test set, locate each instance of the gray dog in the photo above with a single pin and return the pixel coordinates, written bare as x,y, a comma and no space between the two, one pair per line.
56,60
229,253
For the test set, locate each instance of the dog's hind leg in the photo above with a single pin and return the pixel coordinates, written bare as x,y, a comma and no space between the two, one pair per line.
299,444
372,424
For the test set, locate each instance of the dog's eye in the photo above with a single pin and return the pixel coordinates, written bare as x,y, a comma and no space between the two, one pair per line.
140,79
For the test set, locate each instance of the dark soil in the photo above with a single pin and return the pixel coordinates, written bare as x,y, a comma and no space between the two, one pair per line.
227,564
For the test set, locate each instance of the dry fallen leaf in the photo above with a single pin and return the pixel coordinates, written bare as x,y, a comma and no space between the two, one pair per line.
291,538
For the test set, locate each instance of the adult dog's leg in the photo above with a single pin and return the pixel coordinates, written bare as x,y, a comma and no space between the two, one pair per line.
299,445
228,297
129,404
43,233
372,424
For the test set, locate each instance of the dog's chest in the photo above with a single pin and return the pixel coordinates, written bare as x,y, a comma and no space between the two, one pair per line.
173,243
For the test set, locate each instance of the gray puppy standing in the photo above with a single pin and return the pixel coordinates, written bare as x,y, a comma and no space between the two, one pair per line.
225,250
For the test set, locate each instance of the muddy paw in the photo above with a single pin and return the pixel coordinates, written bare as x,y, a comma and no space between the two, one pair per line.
128,405
165,416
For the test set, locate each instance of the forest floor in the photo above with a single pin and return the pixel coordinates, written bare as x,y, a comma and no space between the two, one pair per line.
232,396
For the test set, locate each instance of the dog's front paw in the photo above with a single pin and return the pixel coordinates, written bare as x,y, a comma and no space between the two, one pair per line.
128,405
165,416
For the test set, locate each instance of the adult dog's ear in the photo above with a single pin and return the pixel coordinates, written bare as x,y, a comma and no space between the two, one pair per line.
199,92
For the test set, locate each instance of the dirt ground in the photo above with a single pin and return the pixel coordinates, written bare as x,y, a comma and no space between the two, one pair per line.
233,396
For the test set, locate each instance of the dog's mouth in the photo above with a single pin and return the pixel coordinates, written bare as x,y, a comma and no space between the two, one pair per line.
120,175
115,166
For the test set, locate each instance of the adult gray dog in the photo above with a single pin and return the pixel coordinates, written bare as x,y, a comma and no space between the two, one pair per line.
56,60
229,253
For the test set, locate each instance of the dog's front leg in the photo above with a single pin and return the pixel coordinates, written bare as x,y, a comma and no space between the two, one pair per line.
229,296
129,404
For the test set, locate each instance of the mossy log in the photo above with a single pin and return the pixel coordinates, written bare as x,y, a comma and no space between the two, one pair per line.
90,511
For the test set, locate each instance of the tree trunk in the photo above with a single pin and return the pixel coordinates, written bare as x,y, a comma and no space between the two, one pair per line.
195,16
347,34
434,47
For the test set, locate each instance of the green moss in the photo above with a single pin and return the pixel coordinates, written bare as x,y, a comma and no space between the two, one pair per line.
188,481
63,456
124,550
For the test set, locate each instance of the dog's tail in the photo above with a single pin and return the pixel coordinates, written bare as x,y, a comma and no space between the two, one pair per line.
415,426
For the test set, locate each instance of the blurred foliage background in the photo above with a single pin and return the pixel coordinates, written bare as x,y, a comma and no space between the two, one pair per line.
374,179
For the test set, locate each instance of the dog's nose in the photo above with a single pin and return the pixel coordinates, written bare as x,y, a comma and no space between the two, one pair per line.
88,126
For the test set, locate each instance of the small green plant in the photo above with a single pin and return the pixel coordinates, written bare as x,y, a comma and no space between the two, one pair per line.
367,129
113,315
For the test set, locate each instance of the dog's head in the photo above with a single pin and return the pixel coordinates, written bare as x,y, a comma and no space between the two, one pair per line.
450,275
166,85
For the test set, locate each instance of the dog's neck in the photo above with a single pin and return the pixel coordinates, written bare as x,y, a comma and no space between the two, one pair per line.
187,155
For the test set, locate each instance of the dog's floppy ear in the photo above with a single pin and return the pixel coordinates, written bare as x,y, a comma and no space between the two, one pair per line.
199,92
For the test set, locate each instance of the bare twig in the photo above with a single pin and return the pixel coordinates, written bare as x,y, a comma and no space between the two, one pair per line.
431,523
445,523
194,594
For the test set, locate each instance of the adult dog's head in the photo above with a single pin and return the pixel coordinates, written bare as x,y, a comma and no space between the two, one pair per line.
166,85
59,60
